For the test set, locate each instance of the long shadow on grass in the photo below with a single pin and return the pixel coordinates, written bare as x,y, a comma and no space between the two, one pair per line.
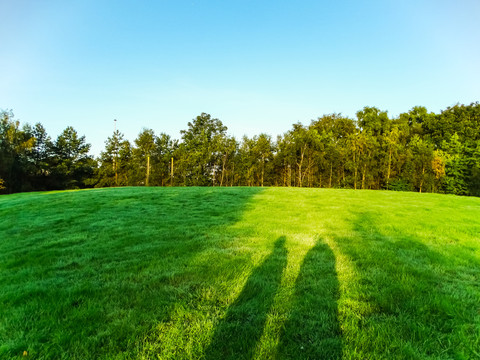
409,300
238,333
312,330
87,274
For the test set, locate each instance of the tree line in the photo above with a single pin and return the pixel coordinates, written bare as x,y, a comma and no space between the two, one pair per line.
416,151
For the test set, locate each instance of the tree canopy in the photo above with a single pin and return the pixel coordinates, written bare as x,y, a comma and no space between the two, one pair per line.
416,151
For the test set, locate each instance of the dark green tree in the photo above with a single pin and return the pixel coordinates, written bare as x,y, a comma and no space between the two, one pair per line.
16,146
464,120
229,152
70,164
41,155
422,155
457,167
114,166
201,150
474,181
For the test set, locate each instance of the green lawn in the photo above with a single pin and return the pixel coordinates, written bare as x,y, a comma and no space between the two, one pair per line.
239,273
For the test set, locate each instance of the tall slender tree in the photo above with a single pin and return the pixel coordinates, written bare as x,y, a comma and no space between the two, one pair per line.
145,148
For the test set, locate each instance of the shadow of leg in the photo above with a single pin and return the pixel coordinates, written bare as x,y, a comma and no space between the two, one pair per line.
238,333
312,330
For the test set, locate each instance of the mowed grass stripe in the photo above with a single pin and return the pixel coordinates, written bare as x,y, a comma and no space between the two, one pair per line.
187,273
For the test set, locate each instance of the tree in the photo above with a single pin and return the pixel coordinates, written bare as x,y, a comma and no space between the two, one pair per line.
373,121
125,164
335,132
145,147
284,160
256,153
163,154
457,169
201,150
41,154
438,167
390,139
422,157
111,170
302,146
229,148
15,146
248,160
263,147
464,120
368,161
70,164
354,147
338,126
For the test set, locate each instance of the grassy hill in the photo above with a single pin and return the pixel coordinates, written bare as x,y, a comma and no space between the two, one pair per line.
239,273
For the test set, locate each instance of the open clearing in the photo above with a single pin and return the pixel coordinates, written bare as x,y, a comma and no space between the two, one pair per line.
239,273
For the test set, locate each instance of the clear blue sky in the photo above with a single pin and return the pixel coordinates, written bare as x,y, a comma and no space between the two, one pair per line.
259,66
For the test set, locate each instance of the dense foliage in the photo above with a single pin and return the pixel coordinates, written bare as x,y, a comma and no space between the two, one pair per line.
417,151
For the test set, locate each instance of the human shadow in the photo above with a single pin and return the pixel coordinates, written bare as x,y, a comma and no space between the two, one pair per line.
116,263
239,331
420,299
312,330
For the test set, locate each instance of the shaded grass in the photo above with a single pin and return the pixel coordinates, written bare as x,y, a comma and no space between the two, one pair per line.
238,332
86,274
189,273
312,330
415,301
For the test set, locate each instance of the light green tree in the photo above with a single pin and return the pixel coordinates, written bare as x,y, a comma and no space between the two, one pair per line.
143,151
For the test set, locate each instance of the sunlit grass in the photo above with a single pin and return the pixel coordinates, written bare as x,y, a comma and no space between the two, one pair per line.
239,273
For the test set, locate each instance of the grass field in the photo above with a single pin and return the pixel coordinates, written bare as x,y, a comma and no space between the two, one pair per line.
239,273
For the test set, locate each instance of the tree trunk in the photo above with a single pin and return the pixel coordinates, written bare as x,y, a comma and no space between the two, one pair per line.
148,170
116,173
263,168
363,176
355,171
331,173
289,179
389,167
223,169
171,169
300,175
421,181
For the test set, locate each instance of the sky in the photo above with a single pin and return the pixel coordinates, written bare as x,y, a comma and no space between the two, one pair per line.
258,66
